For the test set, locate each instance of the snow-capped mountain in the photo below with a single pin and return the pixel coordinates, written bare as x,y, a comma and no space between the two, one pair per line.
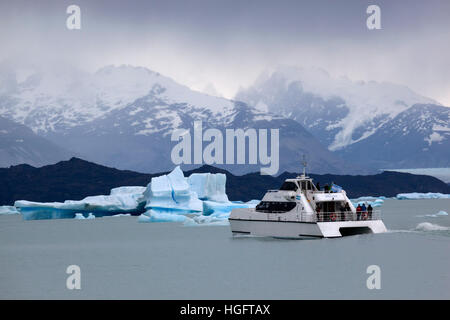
338,111
138,136
18,144
56,100
418,137
124,116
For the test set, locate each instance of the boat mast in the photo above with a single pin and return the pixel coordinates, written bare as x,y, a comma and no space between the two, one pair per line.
304,166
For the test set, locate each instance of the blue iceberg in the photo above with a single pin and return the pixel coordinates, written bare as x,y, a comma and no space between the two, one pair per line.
209,186
171,193
120,200
373,201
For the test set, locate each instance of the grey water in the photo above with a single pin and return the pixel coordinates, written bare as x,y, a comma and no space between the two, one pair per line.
120,258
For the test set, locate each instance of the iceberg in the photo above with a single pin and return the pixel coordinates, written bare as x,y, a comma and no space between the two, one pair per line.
209,186
373,201
199,199
417,195
120,200
171,193
211,207
427,226
8,210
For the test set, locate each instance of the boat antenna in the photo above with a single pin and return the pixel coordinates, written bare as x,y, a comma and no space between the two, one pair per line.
305,163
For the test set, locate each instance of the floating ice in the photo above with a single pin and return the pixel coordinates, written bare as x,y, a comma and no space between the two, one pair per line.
121,200
373,201
170,193
206,221
210,207
8,210
209,186
197,200
155,216
427,226
417,195
439,214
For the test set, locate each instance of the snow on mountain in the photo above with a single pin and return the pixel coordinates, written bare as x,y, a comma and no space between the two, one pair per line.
338,111
138,136
18,144
418,137
55,100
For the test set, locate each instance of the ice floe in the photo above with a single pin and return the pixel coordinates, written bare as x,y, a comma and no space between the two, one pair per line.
120,200
80,216
417,195
8,210
427,226
439,214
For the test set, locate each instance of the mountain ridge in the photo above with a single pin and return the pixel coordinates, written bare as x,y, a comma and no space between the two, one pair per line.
76,178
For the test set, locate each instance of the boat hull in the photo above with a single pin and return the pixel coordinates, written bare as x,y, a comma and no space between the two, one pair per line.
296,229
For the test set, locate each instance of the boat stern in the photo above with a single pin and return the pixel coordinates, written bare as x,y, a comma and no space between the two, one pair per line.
346,228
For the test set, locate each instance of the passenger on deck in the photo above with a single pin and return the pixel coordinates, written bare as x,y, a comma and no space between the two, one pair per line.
342,210
326,188
363,208
347,207
318,212
369,212
358,212
318,185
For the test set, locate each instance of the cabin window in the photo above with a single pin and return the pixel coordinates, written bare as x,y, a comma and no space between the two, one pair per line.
290,186
303,185
273,206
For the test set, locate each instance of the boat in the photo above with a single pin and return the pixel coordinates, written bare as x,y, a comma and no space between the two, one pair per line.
300,210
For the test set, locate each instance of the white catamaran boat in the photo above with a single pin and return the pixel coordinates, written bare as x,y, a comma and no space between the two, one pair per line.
299,210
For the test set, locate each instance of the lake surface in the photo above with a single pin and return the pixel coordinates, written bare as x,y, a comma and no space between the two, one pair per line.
123,259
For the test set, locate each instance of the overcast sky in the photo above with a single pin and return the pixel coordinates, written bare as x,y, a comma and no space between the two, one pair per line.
227,44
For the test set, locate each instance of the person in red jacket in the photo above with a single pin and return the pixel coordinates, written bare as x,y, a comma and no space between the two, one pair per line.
358,212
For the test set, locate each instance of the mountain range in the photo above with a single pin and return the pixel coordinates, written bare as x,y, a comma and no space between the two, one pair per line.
124,116
378,125
19,144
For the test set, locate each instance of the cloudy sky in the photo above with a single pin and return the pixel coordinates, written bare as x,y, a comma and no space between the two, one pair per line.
223,45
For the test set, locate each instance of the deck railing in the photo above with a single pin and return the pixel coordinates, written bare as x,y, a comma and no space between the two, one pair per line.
328,216
343,216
